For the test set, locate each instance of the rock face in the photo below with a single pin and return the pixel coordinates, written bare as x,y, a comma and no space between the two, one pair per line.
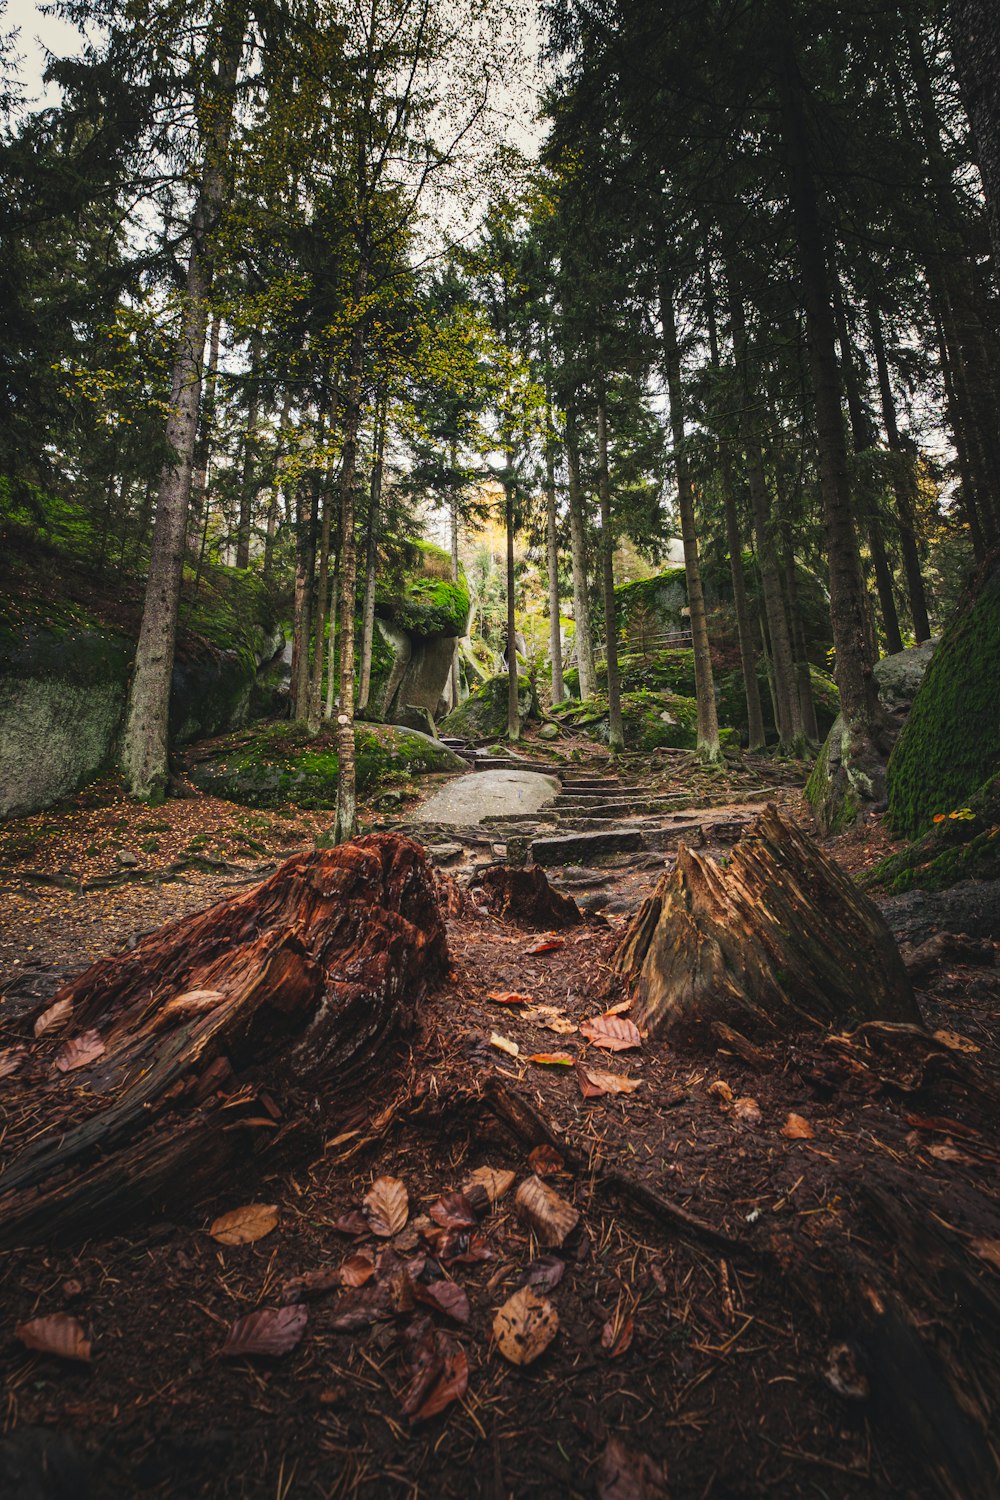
489,794
837,789
63,699
483,715
418,628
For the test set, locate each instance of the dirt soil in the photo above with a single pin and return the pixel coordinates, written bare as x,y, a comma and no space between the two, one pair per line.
715,1328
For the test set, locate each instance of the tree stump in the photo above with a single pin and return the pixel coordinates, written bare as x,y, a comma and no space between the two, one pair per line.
776,940
172,1057
526,898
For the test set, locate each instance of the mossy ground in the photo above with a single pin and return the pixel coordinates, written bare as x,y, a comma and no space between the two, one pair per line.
483,715
425,600
962,845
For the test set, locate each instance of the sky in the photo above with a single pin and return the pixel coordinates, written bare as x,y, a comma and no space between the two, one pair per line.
38,32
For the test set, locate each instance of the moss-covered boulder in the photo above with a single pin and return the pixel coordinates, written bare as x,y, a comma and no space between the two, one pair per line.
963,844
950,747
731,701
421,613
282,763
426,601
838,788
666,670
483,715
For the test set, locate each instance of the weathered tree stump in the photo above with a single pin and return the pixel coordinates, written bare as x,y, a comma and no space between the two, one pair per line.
195,1036
776,940
526,898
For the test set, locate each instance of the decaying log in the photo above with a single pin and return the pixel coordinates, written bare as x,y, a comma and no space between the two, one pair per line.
777,940
525,897
198,1036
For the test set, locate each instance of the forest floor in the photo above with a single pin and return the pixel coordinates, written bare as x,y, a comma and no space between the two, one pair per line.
733,1305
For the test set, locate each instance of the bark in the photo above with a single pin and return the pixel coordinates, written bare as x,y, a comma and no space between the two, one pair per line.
371,555
807,707
306,496
526,898
145,747
704,684
787,713
859,702
552,547
513,714
779,940
956,421
315,714
902,485
455,675
331,645
578,554
975,34
212,1029
248,488
616,733
346,771
203,448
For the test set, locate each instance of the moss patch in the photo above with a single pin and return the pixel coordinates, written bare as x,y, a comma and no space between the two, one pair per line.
950,745
483,715
426,601
961,847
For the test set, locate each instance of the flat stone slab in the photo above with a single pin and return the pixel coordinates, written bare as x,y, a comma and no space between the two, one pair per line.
494,794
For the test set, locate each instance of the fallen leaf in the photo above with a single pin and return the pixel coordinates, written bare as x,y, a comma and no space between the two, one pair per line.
310,1284
620,1008
356,1270
595,1082
446,1297
721,1090
192,1003
624,1475
386,1206
244,1226
956,1042
616,1336
453,1211
79,1051
545,1161
945,1151
456,1245
548,946
796,1128
613,1033
353,1223
496,1180
525,1326
549,1215
271,1331
746,1112
11,1059
544,1274
55,1018
55,1333
441,1376
988,1250
552,1059
510,997
503,1045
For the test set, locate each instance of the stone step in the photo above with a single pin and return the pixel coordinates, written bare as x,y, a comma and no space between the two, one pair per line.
508,763
591,783
612,810
583,845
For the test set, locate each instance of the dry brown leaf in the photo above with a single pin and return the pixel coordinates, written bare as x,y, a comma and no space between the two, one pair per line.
613,1033
595,1082
746,1112
525,1326
356,1270
988,1250
549,1215
244,1226
440,1376
192,1003
496,1180
624,1475
387,1206
56,1333
503,1045
544,1273
55,1018
446,1297
945,1151
453,1211
796,1128
79,1051
721,1090
271,1331
510,997
955,1041
545,1161
11,1059
549,945
616,1336
620,1008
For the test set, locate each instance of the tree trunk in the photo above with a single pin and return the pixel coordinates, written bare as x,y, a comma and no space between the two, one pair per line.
248,487
578,555
975,38
145,748
371,554
513,713
859,700
346,771
704,684
959,438
552,552
616,733
455,567
315,714
778,940
331,644
211,1029
305,559
203,448
902,486
807,707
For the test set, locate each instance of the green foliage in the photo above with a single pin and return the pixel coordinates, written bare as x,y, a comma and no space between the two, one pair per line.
950,745
426,601
483,715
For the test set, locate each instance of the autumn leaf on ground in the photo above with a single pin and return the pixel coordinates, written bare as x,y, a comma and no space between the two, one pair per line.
545,1161
549,945
720,1090
310,1284
387,1206
357,1269
624,1475
620,1008
525,1326
244,1226
11,1059
445,1297
453,1211
552,1059
956,1042
511,997
440,1376
796,1128
746,1112
544,1273
56,1333
616,1335
55,1018
613,1033
595,1082
496,1180
504,1045
79,1051
549,1215
270,1331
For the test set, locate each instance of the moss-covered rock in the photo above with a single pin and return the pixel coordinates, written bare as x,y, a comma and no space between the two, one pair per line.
731,701
963,844
483,715
283,763
950,746
649,719
669,671
427,601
